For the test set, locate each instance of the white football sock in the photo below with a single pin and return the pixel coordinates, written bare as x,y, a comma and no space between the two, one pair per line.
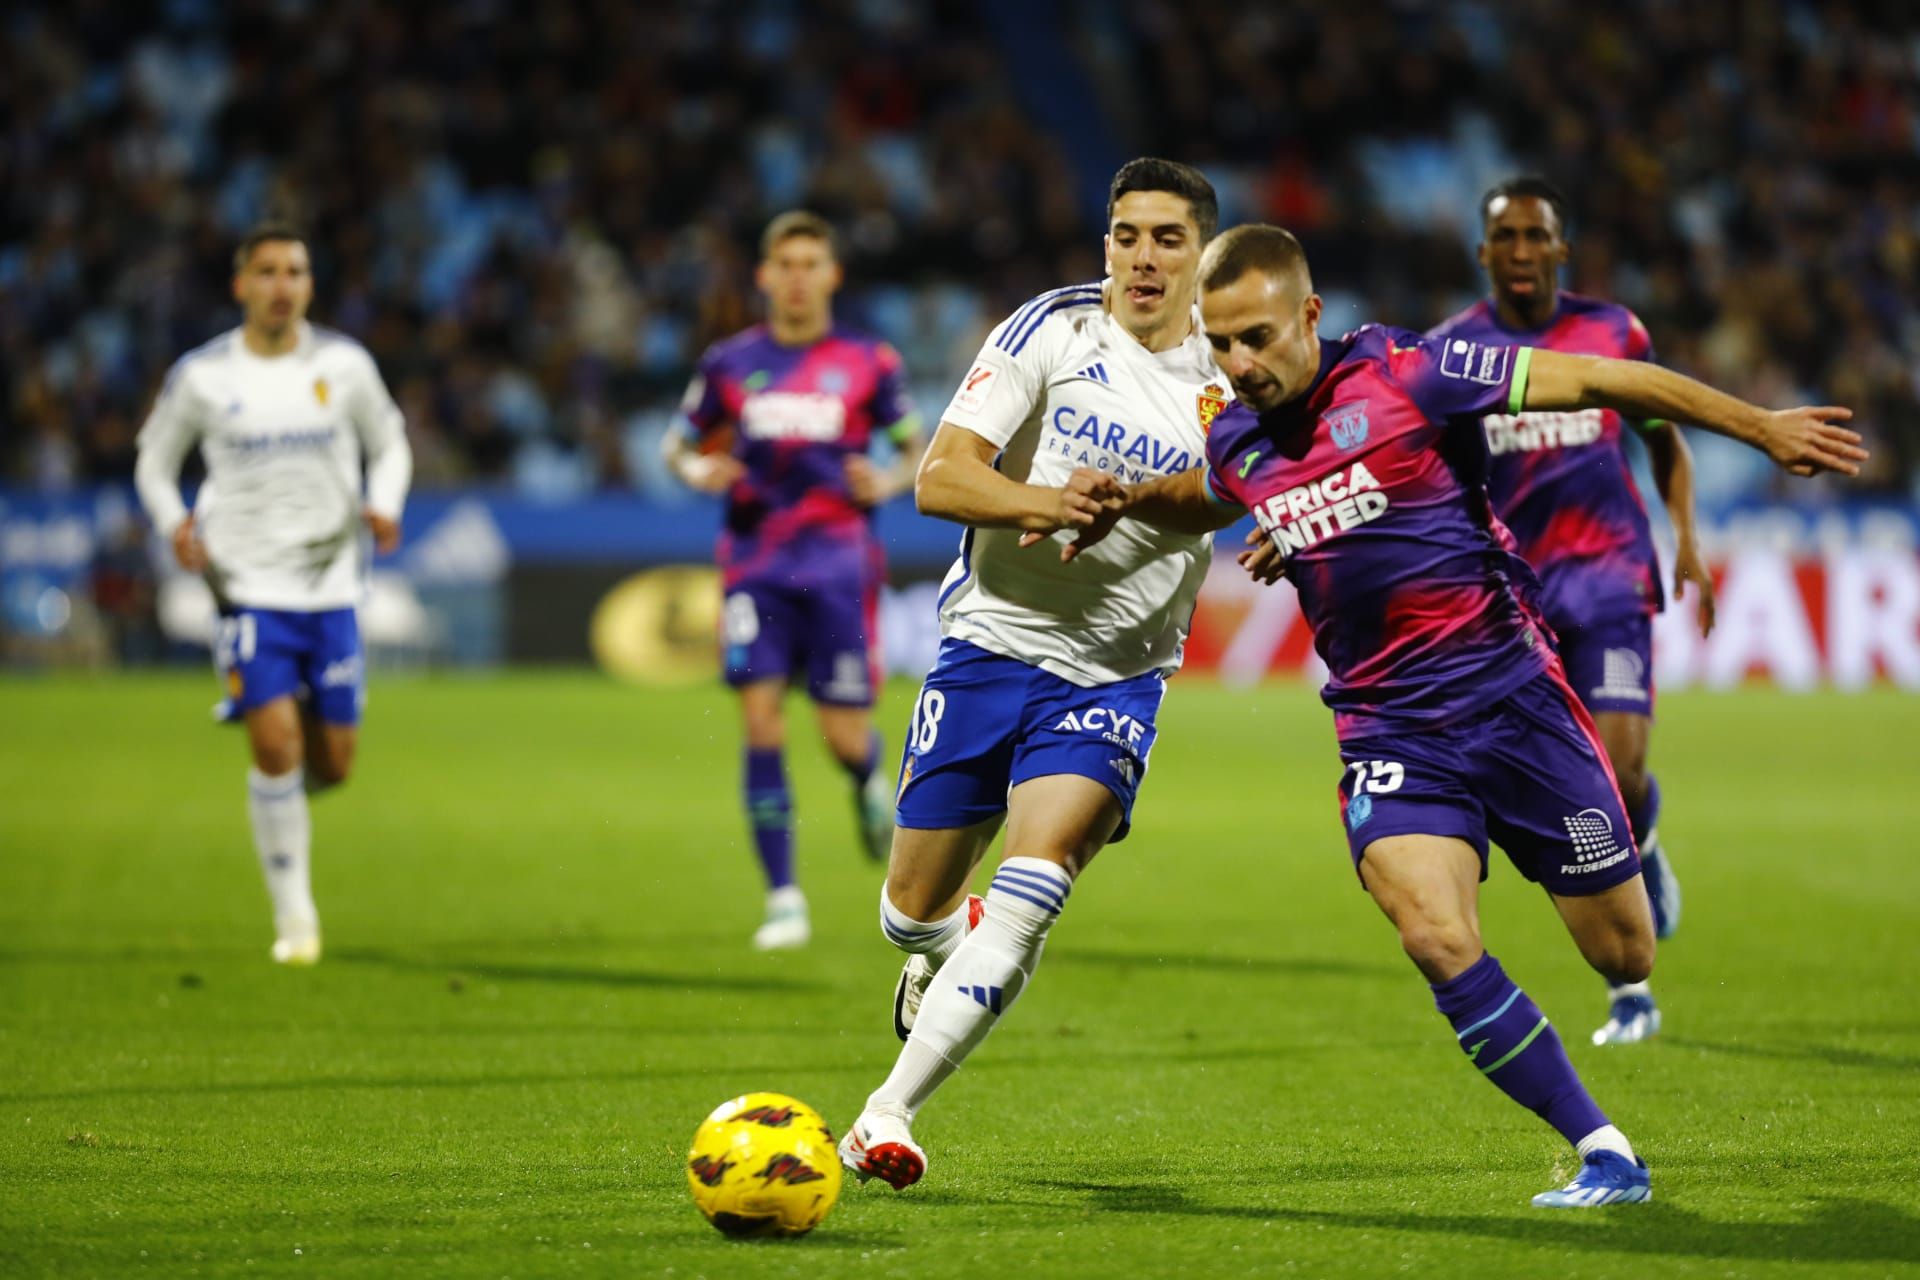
283,836
1629,989
979,982
936,940
1605,1138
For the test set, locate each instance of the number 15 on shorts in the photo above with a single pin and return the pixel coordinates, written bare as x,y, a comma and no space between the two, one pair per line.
1376,776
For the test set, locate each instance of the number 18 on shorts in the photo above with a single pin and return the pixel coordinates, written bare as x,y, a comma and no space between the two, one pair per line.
984,723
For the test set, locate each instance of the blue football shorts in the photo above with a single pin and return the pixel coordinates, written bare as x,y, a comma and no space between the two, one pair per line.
985,723
263,654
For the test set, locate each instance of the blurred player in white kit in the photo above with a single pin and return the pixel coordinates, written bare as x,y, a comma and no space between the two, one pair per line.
284,413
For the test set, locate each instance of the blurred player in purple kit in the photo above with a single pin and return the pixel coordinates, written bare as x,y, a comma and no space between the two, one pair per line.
780,418
1561,483
1363,462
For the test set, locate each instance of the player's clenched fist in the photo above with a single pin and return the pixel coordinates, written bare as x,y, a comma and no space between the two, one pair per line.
187,547
1088,496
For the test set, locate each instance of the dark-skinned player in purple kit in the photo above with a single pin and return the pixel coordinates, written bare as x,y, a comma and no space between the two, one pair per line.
1363,461
780,419
1562,484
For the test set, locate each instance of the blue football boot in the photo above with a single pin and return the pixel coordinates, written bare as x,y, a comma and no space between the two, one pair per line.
1607,1177
1632,1017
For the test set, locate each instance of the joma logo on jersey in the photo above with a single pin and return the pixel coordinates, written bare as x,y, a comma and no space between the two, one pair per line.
1297,518
794,415
1115,726
1122,440
1530,432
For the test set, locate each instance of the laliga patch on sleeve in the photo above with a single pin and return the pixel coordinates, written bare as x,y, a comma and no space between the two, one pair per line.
1475,361
974,387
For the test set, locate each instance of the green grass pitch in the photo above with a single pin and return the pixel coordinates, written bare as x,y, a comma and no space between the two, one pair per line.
537,896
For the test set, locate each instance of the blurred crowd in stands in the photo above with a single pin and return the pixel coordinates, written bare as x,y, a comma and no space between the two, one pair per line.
535,214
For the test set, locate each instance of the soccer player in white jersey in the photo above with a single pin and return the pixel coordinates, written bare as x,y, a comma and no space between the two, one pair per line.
283,412
1039,712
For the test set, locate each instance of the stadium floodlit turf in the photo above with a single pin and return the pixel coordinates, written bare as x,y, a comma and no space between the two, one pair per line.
537,897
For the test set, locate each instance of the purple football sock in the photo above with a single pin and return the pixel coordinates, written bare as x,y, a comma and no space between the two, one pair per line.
1510,1040
770,812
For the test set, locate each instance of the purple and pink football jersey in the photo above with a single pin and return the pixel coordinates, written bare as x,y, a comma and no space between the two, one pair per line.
1372,484
1561,481
798,414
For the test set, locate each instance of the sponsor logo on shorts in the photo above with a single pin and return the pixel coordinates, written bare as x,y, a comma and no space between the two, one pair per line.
1595,848
342,673
1623,675
1116,727
850,676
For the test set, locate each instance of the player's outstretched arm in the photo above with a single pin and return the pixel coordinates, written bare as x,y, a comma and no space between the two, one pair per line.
957,482
1179,503
1804,441
1673,473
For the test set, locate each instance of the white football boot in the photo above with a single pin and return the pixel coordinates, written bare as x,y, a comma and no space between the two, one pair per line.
786,925
916,975
880,1145
298,943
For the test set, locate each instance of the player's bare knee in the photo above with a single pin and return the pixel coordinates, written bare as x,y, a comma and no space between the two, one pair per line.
918,900
1439,947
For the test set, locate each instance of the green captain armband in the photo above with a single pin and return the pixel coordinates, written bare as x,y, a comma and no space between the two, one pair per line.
1517,387
905,429
1650,425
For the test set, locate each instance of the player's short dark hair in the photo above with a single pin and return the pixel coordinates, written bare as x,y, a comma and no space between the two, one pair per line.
268,232
1151,174
1255,246
1526,185
798,222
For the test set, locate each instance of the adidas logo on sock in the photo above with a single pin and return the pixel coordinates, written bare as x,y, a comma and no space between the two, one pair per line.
989,997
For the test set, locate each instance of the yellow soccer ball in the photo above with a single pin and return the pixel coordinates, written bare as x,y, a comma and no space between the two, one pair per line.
764,1164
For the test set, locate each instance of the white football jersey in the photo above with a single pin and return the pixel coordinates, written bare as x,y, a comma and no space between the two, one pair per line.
1059,385
283,437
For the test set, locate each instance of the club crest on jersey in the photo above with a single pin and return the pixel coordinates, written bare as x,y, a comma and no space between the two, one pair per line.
1212,398
1347,424
321,391
834,382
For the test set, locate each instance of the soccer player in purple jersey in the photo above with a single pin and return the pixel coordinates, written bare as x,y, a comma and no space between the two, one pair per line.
780,418
1561,483
1363,462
